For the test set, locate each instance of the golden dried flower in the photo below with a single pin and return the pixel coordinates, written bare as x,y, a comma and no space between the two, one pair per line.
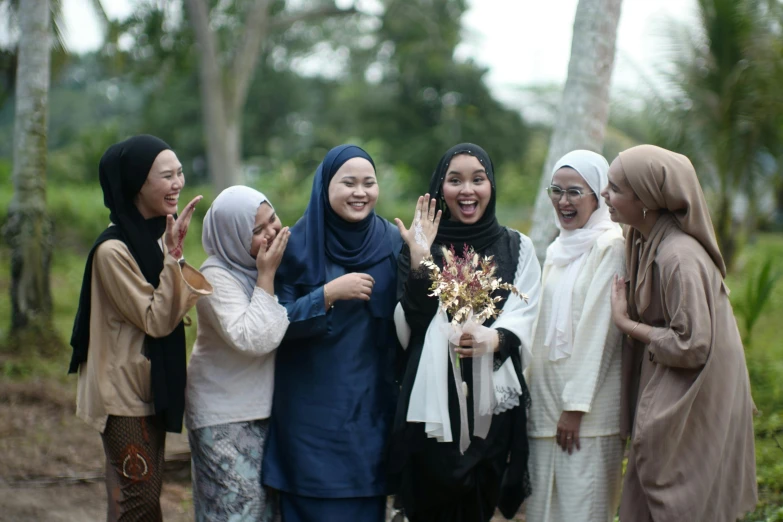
465,285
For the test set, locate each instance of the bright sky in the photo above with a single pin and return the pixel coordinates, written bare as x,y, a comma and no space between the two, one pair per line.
522,42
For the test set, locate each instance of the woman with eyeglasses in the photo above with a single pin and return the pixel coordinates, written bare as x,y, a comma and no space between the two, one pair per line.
575,448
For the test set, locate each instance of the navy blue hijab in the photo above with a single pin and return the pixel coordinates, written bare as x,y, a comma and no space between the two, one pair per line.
365,246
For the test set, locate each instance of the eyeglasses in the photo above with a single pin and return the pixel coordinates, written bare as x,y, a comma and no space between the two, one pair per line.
573,195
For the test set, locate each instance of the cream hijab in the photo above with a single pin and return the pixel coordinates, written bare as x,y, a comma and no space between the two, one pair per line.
663,180
571,247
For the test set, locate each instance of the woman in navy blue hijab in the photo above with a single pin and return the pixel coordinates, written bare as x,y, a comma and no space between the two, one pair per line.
334,395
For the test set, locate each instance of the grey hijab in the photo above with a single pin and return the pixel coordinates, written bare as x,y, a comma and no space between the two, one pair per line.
228,233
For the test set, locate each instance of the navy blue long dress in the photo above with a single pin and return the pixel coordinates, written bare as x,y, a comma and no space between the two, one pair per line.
335,395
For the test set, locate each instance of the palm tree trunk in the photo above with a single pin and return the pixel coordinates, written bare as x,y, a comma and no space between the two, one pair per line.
584,111
726,229
28,229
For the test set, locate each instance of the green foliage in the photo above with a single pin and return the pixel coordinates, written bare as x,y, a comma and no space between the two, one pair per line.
758,289
729,108
764,355
421,100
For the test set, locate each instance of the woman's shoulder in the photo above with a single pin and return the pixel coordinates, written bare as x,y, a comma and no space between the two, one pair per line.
112,250
519,238
611,240
679,251
220,277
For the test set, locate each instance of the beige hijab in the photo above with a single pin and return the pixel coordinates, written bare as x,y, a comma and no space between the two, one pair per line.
663,180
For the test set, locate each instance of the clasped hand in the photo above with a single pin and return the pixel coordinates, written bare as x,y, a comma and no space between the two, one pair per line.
474,340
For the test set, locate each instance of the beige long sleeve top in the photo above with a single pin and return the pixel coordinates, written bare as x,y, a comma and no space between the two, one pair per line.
231,372
116,378
588,380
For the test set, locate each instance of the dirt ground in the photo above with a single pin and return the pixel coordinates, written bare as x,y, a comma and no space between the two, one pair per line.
51,463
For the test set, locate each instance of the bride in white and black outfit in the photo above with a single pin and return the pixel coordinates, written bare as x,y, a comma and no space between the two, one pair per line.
448,464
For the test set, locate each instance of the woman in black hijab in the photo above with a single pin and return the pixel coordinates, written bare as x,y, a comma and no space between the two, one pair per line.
450,460
129,337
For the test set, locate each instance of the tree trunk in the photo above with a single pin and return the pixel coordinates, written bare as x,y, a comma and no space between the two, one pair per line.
584,111
223,157
28,230
224,87
726,229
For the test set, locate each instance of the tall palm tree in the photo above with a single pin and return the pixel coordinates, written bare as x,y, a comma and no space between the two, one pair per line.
28,229
729,106
584,111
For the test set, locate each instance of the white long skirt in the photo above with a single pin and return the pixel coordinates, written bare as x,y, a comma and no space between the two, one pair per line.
582,487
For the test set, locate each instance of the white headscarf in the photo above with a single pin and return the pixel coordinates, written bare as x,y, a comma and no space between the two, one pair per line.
571,247
228,233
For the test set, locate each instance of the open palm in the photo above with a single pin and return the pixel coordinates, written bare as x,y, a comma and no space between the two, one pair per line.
423,230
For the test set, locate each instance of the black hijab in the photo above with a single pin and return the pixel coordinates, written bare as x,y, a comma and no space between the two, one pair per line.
123,170
486,230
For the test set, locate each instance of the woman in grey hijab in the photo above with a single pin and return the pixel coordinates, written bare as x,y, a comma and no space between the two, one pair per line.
231,371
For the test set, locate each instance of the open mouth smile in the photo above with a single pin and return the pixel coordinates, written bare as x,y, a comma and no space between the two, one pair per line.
468,206
568,215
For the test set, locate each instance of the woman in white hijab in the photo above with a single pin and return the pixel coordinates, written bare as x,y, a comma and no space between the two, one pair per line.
231,371
575,448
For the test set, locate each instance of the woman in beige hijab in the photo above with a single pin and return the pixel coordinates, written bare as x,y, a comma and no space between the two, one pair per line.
686,395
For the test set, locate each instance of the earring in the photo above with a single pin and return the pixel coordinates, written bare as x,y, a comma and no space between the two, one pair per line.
644,213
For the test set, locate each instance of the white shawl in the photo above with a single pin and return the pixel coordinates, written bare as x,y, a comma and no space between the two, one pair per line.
429,401
571,247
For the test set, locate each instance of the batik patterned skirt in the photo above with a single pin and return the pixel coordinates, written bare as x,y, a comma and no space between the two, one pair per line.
134,448
227,473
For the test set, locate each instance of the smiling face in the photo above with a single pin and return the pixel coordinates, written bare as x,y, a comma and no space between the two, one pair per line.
624,206
573,213
266,226
160,193
353,190
466,189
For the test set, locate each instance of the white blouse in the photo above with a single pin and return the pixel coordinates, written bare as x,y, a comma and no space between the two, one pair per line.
231,370
588,380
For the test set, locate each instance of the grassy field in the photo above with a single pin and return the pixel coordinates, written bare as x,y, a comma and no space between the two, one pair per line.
79,216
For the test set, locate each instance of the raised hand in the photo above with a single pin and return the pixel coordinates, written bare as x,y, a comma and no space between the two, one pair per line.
420,236
174,237
350,286
269,258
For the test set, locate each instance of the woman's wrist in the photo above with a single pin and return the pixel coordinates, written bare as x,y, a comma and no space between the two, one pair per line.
264,278
328,298
628,325
417,256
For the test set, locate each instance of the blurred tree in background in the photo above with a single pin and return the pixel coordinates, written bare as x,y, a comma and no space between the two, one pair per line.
583,113
28,227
